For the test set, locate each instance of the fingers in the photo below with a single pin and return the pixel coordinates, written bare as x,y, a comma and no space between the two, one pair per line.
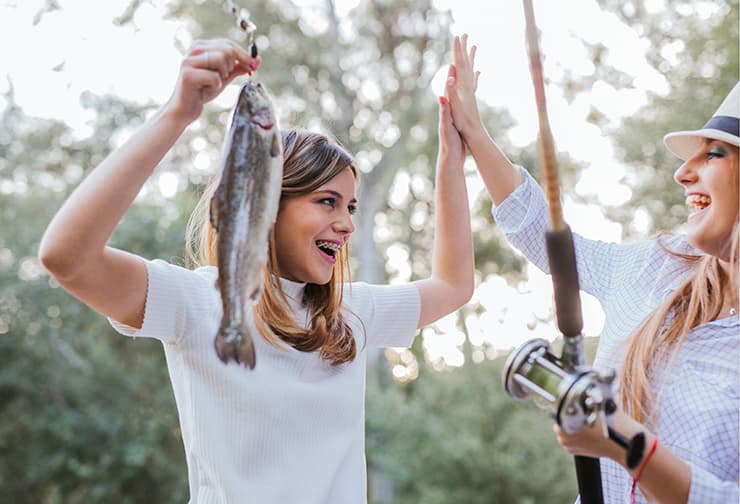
208,82
222,56
457,50
451,90
444,110
464,59
445,118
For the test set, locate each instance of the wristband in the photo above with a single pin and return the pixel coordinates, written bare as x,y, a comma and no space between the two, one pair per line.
642,469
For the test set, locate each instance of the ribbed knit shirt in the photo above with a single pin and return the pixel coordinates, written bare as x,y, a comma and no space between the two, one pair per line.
699,408
290,431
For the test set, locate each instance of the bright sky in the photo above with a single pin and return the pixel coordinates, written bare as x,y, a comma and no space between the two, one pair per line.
77,49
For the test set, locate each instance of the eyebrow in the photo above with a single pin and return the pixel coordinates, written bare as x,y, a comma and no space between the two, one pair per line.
336,194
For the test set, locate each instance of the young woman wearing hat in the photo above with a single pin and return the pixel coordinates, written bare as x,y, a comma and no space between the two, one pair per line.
672,327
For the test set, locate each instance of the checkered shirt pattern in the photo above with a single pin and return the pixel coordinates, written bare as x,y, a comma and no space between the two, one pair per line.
699,405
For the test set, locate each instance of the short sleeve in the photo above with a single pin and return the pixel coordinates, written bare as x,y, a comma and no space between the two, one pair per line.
389,313
176,298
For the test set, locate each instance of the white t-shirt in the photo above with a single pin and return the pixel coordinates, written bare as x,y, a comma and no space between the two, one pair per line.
293,429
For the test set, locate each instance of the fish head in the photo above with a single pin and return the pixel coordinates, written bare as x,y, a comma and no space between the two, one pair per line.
255,103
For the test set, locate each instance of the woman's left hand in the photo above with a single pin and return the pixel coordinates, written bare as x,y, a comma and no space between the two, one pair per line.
591,441
451,145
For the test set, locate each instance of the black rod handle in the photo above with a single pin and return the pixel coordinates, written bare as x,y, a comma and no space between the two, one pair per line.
561,255
634,447
588,473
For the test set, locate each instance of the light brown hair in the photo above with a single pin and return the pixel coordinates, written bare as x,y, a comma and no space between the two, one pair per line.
659,337
310,160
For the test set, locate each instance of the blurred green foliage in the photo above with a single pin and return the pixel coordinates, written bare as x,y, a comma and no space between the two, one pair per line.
455,436
705,40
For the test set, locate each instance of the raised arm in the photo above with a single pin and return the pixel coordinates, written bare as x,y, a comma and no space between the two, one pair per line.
451,282
73,248
498,174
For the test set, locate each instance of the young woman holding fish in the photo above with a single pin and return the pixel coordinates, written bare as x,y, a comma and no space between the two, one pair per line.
671,309
291,429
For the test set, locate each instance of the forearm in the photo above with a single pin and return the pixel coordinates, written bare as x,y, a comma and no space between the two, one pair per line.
665,478
84,224
498,174
452,253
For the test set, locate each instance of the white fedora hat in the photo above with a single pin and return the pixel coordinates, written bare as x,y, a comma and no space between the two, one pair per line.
722,126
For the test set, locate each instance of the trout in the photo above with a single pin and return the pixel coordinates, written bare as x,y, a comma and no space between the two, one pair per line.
243,211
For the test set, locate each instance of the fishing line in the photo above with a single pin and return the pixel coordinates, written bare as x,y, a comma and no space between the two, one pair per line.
244,23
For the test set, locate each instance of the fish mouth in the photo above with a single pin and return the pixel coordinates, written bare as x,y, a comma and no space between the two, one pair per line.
262,119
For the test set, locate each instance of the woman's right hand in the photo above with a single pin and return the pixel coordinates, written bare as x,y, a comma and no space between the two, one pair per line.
208,67
462,83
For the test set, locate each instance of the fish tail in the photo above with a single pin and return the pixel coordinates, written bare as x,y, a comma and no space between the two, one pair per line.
246,352
235,344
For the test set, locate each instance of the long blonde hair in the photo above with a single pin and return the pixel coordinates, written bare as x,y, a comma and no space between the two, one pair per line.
658,339
310,160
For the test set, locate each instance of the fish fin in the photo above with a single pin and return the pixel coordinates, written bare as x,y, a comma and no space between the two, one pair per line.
213,211
246,354
275,147
226,344
235,344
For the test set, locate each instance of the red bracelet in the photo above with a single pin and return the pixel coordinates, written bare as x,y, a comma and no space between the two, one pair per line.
642,469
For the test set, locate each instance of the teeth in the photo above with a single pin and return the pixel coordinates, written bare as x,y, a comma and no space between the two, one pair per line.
330,245
698,201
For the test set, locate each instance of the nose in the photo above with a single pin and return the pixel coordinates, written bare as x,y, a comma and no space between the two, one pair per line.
343,224
685,174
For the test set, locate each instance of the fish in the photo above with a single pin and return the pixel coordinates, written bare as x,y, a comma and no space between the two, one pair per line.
243,210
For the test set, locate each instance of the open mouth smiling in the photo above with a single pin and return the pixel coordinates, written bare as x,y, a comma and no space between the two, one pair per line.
698,202
328,248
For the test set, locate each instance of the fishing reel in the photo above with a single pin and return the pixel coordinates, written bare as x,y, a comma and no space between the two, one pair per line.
576,395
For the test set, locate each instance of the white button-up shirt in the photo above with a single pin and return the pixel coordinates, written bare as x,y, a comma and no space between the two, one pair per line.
699,404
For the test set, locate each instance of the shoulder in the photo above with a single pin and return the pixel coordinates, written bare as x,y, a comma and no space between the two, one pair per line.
651,253
360,293
388,313
181,284
373,301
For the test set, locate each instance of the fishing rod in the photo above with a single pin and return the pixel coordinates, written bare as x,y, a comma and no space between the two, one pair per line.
577,395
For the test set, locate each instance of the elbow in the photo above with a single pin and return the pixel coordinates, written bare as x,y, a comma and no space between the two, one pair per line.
59,261
460,292
465,292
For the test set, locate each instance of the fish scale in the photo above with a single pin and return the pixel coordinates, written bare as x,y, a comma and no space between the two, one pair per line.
243,211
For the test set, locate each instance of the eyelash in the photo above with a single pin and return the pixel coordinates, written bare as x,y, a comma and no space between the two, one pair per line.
332,202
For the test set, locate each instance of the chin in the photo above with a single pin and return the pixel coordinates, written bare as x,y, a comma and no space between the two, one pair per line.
714,247
319,279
